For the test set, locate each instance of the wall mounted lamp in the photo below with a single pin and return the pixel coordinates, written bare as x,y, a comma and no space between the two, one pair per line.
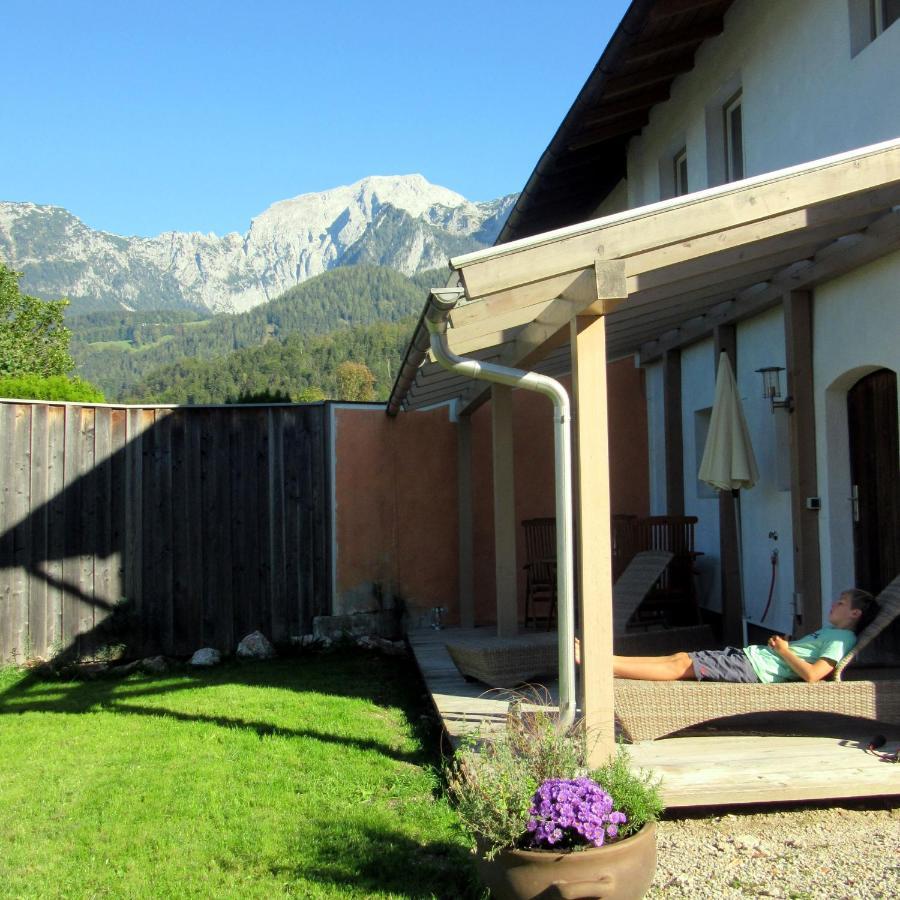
772,388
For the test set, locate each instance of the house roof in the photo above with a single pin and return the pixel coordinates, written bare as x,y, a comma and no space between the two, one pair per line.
660,273
654,43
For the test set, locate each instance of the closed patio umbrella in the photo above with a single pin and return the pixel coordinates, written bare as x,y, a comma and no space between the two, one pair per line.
728,462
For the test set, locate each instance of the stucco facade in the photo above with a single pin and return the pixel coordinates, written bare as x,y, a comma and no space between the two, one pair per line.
395,528
808,90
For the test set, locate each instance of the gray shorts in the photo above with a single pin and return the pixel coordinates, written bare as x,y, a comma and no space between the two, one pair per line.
730,664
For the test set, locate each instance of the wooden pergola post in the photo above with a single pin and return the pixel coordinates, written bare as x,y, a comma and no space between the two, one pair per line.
593,532
804,479
466,537
504,511
673,429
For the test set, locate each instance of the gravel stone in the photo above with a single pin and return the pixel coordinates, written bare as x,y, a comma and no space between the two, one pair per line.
801,854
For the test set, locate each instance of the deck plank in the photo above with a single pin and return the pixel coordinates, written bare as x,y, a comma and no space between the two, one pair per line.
709,766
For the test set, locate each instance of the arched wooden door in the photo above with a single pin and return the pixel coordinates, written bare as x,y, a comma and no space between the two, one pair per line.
875,477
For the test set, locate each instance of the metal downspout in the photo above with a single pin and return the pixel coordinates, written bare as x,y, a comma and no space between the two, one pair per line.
436,321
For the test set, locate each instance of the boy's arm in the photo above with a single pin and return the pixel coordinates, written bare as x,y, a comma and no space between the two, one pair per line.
808,672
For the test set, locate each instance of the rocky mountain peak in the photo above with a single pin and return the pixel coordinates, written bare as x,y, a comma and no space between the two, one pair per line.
401,221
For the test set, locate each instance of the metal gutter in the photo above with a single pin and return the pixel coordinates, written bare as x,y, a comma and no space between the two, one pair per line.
435,315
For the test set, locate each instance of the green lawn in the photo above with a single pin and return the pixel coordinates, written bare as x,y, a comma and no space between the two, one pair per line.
301,777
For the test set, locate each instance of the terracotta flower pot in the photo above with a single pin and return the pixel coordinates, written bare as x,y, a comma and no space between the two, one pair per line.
622,870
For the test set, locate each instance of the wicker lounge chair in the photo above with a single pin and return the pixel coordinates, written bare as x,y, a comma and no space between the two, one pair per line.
648,710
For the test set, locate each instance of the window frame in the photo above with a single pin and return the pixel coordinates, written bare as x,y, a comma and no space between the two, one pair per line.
878,13
735,168
680,173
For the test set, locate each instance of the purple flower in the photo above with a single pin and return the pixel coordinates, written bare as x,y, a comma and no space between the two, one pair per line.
574,812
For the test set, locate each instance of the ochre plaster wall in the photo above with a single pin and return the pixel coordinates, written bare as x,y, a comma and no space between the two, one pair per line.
396,494
395,516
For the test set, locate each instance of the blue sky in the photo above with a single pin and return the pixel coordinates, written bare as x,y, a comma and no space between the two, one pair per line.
142,117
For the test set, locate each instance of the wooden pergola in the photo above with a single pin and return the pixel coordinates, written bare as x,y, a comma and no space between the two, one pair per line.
646,282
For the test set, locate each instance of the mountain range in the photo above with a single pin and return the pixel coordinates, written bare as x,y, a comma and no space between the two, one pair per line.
402,222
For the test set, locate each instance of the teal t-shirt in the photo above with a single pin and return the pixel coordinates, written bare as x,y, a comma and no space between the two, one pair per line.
826,643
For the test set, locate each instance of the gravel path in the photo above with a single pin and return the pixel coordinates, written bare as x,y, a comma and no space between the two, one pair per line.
832,853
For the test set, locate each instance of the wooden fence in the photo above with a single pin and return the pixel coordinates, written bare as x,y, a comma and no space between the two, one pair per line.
166,529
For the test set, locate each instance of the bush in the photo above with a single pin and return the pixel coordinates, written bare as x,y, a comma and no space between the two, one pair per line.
54,387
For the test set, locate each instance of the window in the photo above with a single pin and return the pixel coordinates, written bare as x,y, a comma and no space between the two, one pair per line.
680,172
734,140
883,14
868,19
702,418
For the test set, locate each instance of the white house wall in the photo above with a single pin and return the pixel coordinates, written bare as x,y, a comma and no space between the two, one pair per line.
766,508
856,329
698,387
803,95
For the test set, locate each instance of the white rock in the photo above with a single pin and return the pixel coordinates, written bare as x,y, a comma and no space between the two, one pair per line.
206,656
255,646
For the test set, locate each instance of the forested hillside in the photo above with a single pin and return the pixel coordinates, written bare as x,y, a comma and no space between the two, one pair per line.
130,355
297,368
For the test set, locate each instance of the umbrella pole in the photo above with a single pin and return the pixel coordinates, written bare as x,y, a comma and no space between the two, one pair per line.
736,495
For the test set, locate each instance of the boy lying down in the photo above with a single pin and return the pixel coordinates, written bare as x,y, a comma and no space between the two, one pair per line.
810,659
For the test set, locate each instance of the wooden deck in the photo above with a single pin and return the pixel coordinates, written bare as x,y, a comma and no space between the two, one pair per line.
777,758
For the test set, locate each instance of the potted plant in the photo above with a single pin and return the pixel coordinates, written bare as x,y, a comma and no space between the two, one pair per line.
546,825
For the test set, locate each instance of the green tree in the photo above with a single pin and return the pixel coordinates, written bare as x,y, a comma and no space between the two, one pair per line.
355,381
54,387
310,395
33,337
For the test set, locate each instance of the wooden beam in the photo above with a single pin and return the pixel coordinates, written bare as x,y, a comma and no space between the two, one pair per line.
664,9
593,533
466,532
504,512
665,70
878,239
603,281
876,174
688,38
673,430
611,109
804,479
729,509
595,134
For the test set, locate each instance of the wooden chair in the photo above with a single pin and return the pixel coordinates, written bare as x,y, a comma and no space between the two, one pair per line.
676,597
540,567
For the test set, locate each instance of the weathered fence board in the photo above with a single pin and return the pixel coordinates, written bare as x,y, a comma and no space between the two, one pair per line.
163,529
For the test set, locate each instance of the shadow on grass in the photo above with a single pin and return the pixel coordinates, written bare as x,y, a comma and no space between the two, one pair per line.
386,682
382,861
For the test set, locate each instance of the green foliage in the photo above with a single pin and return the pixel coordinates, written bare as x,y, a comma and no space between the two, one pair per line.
635,792
263,397
493,777
338,300
305,369
33,338
54,387
355,381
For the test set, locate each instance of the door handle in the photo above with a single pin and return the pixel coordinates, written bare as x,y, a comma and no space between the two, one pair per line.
854,502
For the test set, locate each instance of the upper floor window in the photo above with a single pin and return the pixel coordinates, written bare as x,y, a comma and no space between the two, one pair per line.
868,19
734,139
883,14
680,172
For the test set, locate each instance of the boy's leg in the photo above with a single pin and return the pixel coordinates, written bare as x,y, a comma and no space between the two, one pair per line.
678,667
